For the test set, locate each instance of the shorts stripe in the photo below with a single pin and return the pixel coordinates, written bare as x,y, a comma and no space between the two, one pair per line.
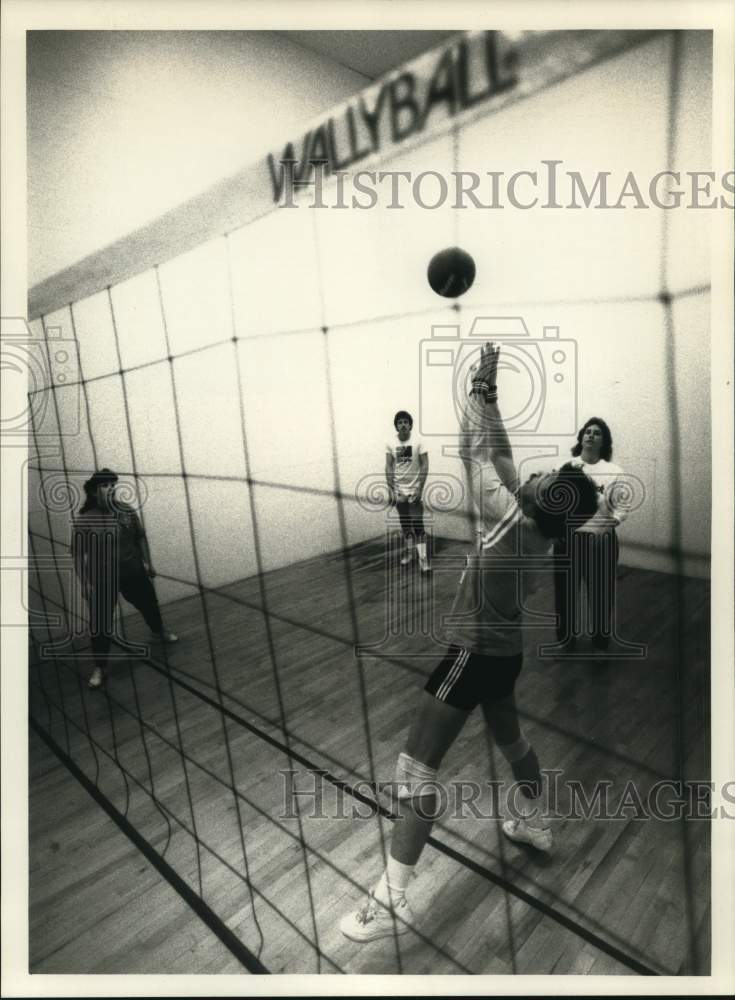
464,678
502,527
454,674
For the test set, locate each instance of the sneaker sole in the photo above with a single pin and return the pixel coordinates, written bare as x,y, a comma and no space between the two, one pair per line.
546,848
385,933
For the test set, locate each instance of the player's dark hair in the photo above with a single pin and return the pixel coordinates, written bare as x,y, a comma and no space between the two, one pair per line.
90,487
607,441
565,503
402,415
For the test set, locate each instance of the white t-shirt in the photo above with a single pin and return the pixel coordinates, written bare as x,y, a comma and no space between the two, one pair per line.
407,463
611,495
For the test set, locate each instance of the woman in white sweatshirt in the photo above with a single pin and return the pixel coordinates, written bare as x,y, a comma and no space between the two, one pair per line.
592,555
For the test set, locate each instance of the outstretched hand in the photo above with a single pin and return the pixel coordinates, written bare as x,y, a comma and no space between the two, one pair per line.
485,372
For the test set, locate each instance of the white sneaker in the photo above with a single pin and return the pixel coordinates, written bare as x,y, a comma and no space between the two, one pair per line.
374,920
425,565
520,831
96,679
164,636
407,557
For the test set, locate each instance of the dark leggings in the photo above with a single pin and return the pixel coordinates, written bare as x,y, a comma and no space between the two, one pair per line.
136,587
592,559
411,514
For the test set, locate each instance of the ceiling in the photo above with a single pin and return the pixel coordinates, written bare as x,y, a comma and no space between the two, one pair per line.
370,53
123,126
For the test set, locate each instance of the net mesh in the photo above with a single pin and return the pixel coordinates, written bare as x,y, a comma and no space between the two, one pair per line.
242,422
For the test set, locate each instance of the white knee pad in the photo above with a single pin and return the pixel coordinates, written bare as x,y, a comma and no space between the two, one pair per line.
513,752
410,775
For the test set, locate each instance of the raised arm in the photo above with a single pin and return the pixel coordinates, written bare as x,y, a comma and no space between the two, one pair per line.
483,437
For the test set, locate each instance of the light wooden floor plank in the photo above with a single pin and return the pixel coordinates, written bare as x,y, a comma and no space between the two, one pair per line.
614,720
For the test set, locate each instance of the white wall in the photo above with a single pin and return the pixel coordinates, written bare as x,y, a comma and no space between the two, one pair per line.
123,126
594,274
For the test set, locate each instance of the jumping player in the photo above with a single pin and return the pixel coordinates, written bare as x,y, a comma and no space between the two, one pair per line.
406,469
484,661
111,556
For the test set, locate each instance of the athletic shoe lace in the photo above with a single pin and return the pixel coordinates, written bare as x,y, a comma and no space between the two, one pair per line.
368,912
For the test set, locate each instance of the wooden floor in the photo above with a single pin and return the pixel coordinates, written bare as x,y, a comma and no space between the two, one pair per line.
616,895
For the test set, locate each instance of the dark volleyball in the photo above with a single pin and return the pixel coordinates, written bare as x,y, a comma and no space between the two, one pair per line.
451,272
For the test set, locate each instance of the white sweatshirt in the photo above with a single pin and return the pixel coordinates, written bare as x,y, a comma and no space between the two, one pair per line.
611,495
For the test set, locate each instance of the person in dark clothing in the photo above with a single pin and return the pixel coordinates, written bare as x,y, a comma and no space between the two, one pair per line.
111,557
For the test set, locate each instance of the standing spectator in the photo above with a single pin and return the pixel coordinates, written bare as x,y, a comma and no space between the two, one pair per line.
590,554
406,469
111,557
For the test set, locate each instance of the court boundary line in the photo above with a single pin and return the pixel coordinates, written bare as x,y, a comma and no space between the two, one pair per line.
546,909
312,769
400,662
230,940
316,852
533,902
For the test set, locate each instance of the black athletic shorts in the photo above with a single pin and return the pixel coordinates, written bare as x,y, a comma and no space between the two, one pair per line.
464,679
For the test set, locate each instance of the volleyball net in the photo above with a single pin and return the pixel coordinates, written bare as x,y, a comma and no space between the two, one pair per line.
243,392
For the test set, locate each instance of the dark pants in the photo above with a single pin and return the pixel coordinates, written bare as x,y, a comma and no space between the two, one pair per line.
412,517
592,559
136,587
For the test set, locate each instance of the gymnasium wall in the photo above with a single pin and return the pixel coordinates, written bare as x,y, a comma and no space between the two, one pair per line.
147,119
317,406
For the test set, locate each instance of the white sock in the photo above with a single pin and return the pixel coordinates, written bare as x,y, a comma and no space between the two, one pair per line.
421,549
393,883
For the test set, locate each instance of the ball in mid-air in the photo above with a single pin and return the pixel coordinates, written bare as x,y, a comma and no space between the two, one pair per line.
451,272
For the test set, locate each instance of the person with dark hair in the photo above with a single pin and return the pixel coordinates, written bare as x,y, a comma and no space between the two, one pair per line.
406,469
484,659
590,554
111,557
